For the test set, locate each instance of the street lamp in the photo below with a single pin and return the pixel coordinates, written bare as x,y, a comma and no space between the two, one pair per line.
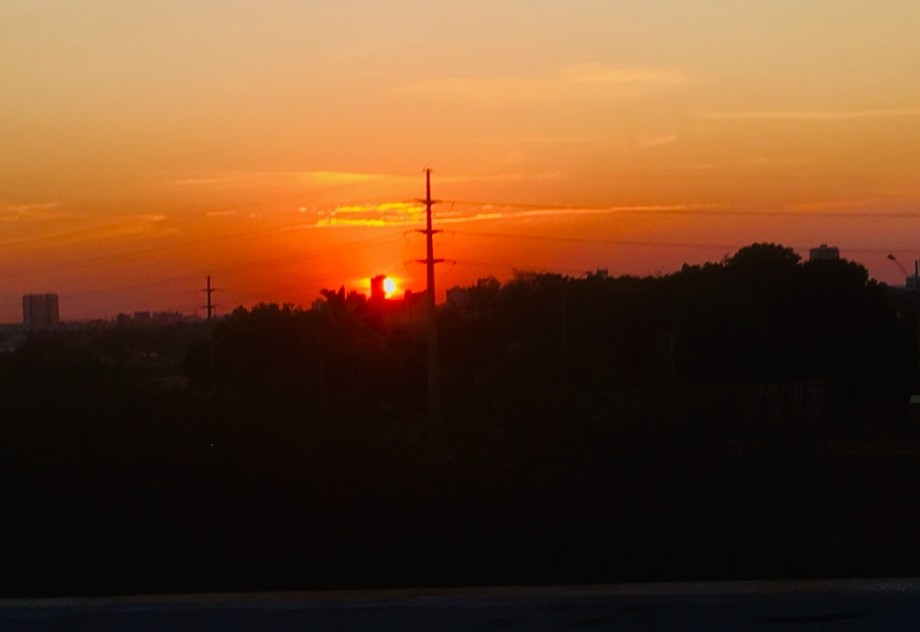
912,281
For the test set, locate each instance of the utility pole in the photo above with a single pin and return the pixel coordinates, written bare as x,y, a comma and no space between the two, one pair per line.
210,307
916,290
209,291
916,275
434,386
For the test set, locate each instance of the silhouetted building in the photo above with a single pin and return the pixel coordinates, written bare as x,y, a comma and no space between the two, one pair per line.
912,282
410,310
40,311
148,318
414,308
378,293
824,253
458,297
167,318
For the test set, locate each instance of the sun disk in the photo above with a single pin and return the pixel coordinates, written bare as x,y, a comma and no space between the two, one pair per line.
389,286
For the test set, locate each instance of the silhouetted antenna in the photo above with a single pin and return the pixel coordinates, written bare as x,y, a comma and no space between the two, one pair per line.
434,387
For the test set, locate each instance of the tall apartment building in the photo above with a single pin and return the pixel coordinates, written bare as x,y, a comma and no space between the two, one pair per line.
824,253
40,311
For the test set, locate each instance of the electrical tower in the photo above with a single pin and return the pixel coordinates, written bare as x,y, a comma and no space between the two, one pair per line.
209,291
434,386
210,307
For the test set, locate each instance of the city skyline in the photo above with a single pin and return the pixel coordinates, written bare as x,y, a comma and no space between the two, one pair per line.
280,147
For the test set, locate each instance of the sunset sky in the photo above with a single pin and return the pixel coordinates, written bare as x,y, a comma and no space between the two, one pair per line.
278,145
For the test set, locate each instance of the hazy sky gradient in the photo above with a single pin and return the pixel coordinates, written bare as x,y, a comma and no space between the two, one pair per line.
144,145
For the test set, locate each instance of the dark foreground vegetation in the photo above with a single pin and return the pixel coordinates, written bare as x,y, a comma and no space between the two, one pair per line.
746,419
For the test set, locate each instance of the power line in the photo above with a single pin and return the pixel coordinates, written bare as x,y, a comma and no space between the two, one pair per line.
200,212
162,282
657,244
196,243
287,287
691,209
683,209
592,240
111,258
165,282
517,266
237,266
676,210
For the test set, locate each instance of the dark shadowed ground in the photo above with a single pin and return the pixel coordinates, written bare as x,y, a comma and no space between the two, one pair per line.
734,421
875,605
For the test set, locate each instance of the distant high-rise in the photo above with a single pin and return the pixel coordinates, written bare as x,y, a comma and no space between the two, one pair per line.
40,311
378,292
824,253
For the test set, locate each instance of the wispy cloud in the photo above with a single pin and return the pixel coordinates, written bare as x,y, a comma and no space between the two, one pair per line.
649,142
244,179
134,224
344,177
502,177
613,210
383,214
809,115
98,229
31,211
199,182
573,83
411,214
534,140
764,161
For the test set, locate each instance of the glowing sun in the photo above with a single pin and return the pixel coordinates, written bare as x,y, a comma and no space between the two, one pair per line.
389,286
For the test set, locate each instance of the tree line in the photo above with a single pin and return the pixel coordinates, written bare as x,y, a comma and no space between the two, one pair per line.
595,429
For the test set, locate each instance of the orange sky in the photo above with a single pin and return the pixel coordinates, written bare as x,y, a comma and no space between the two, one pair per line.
276,144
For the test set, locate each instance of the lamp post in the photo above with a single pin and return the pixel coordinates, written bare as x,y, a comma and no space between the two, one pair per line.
908,275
